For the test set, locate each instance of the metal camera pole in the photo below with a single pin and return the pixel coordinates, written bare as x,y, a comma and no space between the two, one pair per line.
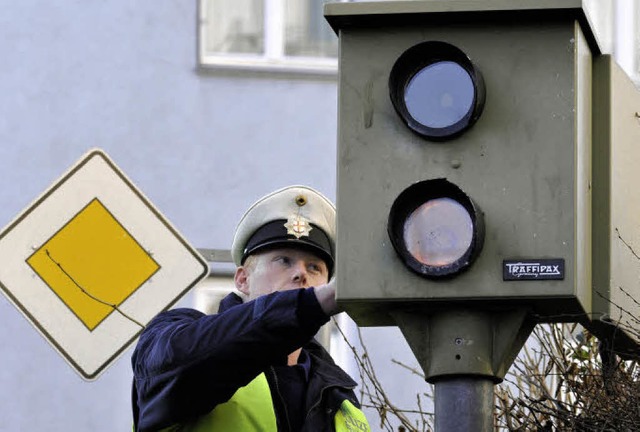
464,353
464,404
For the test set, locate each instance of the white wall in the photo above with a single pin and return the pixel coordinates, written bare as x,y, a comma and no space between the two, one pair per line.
122,76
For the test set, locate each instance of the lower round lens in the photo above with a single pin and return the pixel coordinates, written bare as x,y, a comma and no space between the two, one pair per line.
439,232
440,95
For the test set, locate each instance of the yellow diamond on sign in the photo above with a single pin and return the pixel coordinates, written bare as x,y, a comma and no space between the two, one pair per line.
93,264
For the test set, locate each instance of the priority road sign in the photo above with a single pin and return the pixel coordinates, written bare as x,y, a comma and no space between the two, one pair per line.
91,261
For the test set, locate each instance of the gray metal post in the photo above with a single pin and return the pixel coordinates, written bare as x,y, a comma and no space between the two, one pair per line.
464,353
464,404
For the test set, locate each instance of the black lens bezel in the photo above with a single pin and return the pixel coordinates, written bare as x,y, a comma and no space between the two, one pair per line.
416,59
412,198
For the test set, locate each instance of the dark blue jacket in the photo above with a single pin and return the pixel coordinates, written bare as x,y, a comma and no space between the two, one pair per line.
186,362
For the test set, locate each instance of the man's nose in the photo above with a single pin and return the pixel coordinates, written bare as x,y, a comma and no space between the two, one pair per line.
300,273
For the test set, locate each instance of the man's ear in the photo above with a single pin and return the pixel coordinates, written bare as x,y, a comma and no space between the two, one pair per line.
241,279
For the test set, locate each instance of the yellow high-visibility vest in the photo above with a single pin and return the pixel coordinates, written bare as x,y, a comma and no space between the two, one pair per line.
250,409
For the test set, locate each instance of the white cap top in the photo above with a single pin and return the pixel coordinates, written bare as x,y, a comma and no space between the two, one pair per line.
295,216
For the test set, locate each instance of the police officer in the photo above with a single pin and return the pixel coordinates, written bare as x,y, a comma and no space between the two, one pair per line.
254,366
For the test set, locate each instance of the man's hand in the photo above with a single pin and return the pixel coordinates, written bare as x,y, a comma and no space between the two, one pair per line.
326,295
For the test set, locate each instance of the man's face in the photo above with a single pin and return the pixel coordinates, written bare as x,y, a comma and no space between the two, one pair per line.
280,270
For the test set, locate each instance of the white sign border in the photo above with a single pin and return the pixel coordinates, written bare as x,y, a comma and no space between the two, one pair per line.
95,176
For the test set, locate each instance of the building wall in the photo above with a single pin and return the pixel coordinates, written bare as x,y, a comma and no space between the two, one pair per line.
122,76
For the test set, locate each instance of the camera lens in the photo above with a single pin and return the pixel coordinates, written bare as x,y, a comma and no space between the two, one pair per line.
439,232
439,95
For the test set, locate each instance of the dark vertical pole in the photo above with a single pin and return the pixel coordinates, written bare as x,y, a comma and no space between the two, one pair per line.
464,404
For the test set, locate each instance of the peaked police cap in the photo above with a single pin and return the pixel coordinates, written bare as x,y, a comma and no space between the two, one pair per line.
292,217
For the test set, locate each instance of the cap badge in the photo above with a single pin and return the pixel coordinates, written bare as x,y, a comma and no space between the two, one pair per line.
298,226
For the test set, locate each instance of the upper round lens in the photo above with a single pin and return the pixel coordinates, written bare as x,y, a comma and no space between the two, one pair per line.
439,232
440,95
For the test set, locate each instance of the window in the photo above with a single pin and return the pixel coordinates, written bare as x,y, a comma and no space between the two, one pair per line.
272,35
633,17
627,37
617,25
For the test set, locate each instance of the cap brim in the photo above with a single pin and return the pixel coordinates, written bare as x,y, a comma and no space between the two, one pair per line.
293,244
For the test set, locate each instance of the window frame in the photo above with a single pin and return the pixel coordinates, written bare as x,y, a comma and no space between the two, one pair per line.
626,35
273,59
